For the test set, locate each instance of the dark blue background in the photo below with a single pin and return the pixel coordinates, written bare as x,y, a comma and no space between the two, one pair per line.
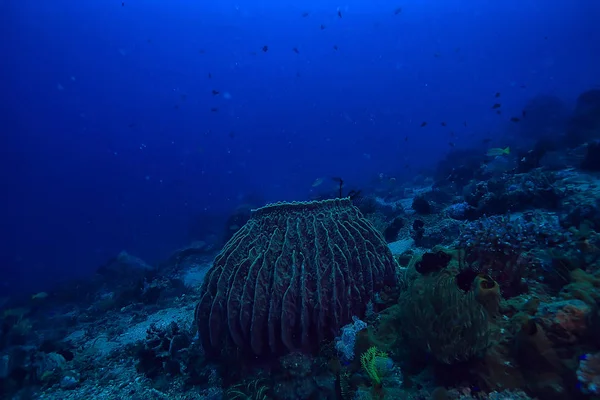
109,143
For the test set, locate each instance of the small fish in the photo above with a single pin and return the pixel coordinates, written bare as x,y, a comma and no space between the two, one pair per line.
443,124
305,14
318,182
406,138
497,95
215,92
436,55
176,106
123,4
398,11
209,75
452,133
451,144
515,119
339,13
523,113
39,296
265,48
322,26
497,152
498,112
296,50
214,109
335,47
201,51
423,124
497,105
465,123
522,86
486,140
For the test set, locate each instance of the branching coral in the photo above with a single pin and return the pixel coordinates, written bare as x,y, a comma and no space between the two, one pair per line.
498,246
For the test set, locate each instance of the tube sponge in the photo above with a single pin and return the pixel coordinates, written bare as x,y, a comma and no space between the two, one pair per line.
487,293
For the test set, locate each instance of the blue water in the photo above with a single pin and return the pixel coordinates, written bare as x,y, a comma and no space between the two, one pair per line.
109,141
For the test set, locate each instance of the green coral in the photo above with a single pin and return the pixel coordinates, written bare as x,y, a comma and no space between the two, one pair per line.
441,319
376,364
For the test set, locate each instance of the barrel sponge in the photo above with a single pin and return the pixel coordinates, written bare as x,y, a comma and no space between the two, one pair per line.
291,277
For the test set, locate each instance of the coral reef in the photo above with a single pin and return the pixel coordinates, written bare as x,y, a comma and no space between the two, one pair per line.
489,288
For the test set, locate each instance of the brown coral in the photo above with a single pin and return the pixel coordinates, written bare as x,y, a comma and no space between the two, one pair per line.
292,277
487,292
